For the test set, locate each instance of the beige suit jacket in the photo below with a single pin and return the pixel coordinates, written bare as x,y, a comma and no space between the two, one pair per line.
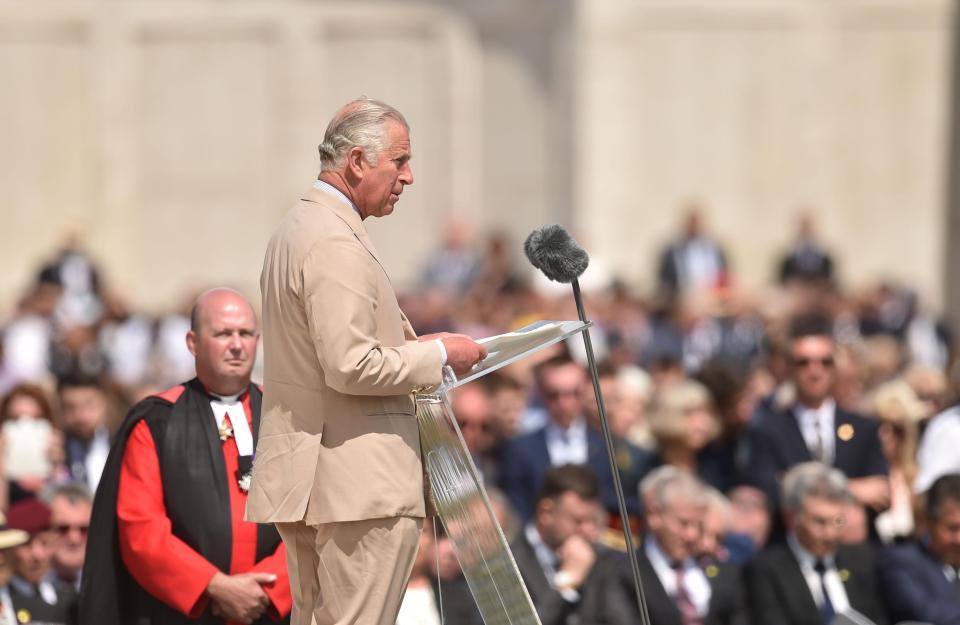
338,434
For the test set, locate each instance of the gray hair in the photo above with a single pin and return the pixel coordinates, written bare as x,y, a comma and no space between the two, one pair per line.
360,123
666,483
73,492
812,479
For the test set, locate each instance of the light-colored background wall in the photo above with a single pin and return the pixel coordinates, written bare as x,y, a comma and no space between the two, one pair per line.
174,134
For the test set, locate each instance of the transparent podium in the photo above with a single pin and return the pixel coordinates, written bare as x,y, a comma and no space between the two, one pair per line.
458,493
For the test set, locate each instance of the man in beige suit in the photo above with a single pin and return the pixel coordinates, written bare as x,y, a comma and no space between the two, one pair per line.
338,465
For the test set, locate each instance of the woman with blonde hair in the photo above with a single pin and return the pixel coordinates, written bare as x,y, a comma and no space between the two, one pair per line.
683,422
899,410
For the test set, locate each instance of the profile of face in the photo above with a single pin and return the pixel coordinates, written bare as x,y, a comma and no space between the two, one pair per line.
819,525
224,342
568,515
380,185
84,410
677,526
812,362
31,561
561,388
945,533
70,520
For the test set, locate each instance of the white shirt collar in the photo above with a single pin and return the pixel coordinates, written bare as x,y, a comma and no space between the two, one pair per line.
832,582
567,446
818,420
329,188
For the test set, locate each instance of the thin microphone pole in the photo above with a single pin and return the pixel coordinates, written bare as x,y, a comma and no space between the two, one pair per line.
608,440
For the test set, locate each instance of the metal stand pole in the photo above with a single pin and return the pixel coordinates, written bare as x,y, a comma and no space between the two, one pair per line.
608,440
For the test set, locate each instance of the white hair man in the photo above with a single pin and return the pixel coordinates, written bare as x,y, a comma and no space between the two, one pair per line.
338,463
813,577
678,590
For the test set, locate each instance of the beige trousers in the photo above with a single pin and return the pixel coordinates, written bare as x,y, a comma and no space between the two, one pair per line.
352,573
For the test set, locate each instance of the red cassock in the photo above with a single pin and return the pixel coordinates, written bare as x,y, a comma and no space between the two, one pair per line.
164,565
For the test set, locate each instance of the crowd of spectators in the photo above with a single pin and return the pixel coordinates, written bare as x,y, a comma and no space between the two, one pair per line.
776,448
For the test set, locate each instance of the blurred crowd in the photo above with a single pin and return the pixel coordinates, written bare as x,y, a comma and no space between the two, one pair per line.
806,421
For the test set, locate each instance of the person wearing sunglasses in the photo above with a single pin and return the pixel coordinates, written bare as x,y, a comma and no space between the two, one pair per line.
70,506
814,427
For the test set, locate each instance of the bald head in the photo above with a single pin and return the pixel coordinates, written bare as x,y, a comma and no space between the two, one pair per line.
223,339
217,298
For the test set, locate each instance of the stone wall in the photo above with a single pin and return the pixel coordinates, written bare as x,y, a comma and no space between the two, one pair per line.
174,134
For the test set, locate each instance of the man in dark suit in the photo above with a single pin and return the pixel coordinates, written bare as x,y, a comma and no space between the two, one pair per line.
566,439
33,596
920,580
570,579
694,261
815,428
813,578
678,589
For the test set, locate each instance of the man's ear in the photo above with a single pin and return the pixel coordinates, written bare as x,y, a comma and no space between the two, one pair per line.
192,342
355,162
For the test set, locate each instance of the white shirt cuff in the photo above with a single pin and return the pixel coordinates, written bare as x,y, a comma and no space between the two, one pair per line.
443,352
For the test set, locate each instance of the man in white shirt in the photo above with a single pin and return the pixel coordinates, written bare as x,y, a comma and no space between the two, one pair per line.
565,439
813,578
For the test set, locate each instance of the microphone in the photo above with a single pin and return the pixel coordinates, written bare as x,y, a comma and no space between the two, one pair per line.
553,251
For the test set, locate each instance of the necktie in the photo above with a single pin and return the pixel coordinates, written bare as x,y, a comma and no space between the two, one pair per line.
688,612
826,608
820,449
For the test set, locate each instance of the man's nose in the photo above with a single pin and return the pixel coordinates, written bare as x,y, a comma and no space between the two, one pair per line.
406,174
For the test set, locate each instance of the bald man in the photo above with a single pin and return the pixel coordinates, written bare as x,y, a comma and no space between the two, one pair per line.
168,542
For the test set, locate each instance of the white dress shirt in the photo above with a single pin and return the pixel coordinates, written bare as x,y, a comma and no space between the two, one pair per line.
816,425
96,457
695,581
567,446
831,577
7,615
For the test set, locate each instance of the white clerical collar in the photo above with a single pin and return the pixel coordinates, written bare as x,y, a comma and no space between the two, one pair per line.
329,188
228,411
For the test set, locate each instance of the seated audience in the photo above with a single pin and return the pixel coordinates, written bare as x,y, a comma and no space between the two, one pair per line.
9,539
70,507
35,598
814,427
813,577
32,444
678,590
566,439
570,579
921,581
85,408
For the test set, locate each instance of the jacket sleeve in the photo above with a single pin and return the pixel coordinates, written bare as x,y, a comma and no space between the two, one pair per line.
340,292
161,563
907,593
280,599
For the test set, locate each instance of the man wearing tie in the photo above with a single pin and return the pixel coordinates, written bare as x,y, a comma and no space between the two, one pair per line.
338,464
815,428
812,578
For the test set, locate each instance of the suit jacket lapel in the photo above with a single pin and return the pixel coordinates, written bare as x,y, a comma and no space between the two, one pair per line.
527,562
798,594
796,444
